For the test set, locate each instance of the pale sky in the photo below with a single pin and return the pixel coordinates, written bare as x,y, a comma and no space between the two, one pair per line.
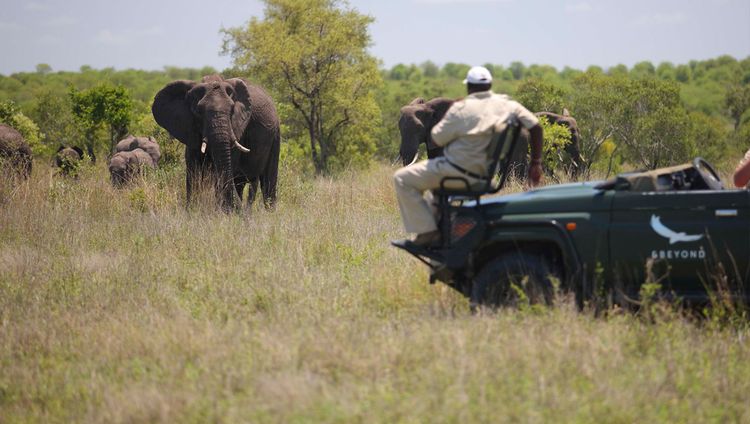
151,34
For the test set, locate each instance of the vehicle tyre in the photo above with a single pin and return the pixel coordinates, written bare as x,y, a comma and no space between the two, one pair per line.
514,279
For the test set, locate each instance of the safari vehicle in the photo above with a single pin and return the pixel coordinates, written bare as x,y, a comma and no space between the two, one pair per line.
675,225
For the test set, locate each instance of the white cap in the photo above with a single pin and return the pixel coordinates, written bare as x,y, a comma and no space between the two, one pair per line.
478,75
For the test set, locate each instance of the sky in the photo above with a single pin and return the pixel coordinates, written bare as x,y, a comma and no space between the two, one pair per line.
152,34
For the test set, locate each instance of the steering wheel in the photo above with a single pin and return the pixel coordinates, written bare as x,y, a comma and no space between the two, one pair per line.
708,173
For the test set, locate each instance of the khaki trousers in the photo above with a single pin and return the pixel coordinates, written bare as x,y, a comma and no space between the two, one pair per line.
411,184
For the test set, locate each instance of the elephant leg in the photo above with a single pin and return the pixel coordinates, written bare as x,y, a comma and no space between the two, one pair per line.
269,178
252,191
197,166
240,182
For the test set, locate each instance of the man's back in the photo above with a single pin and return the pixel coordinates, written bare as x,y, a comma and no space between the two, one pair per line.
467,127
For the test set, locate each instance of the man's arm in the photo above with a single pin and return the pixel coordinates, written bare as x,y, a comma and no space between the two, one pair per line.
530,121
448,129
535,168
742,173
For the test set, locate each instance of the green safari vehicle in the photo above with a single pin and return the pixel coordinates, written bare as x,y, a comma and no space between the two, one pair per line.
677,226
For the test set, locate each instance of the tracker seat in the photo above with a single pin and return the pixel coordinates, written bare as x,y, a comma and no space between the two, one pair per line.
499,151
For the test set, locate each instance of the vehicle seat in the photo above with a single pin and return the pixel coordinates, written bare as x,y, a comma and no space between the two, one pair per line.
504,139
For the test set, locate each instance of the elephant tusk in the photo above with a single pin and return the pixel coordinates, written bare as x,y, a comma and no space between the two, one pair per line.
203,145
413,161
242,148
395,161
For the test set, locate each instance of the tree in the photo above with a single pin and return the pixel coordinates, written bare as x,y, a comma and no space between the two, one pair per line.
556,137
737,101
642,70
517,69
618,70
538,95
713,136
651,123
683,73
55,118
429,69
594,103
455,70
644,118
103,104
11,115
666,71
43,69
313,56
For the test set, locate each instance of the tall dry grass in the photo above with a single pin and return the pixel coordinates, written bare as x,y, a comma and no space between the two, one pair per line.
123,306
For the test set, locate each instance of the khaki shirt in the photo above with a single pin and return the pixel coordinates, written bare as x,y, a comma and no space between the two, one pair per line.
466,129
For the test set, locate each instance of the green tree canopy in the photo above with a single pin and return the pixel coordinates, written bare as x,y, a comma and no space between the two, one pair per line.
737,101
104,104
55,119
643,116
538,96
313,55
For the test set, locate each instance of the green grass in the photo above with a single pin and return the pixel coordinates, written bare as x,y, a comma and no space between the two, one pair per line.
123,306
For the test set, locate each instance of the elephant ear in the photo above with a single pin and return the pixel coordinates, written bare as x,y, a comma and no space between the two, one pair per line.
171,110
241,111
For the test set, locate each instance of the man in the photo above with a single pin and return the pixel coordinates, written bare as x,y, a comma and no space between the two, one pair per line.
742,173
465,132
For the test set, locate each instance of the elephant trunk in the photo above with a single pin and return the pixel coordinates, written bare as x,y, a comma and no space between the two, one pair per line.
220,140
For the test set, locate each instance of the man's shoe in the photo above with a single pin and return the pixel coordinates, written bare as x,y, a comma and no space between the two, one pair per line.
427,239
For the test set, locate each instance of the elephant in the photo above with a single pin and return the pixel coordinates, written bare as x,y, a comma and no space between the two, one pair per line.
67,159
230,128
132,156
416,122
573,148
15,151
418,117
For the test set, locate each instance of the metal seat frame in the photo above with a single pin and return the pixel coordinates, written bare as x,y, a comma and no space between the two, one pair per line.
500,151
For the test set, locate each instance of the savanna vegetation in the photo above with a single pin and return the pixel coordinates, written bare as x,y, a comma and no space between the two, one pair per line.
123,305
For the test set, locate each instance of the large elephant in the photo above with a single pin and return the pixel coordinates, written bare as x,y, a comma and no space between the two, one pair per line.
14,151
68,159
132,156
415,123
230,128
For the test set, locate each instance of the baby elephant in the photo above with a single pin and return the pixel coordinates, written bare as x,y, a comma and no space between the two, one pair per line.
68,160
132,156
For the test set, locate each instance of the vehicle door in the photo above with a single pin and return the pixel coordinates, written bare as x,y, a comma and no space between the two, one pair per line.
679,238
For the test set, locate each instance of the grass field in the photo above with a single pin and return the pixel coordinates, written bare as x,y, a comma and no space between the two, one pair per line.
122,306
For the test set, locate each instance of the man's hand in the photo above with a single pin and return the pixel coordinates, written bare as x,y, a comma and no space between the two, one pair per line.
535,174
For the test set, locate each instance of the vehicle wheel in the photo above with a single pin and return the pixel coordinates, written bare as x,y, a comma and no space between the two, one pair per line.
514,279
